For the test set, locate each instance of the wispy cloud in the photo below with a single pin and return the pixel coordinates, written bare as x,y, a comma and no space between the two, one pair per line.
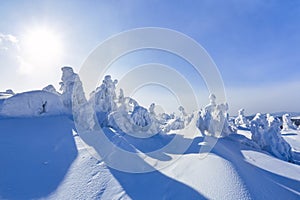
7,41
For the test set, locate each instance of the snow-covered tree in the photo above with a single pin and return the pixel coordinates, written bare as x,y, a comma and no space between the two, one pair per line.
173,122
10,91
50,88
287,123
266,133
241,120
104,97
213,119
140,116
72,90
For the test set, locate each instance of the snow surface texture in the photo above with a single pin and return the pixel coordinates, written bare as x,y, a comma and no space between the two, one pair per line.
49,163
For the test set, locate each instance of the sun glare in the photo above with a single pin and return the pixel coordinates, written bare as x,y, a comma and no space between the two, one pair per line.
42,45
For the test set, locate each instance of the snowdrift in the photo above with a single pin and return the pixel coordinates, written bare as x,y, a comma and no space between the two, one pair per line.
31,104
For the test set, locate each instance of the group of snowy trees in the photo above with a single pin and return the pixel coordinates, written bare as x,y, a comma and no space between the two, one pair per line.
107,109
266,133
122,113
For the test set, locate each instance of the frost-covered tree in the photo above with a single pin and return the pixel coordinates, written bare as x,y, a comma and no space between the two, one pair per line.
50,88
213,119
266,133
104,97
173,122
287,123
141,117
72,90
241,120
10,91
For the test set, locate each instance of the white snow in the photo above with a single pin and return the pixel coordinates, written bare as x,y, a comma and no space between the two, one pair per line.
34,103
231,171
45,155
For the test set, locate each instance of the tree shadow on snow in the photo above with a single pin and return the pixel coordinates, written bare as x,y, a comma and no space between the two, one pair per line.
154,185
35,155
259,182
150,185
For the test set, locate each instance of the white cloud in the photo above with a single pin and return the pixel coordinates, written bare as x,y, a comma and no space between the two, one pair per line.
8,41
8,38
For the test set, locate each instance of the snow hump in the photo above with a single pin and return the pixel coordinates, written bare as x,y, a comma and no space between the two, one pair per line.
33,103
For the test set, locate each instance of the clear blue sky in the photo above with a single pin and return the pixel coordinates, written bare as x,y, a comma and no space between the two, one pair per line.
255,44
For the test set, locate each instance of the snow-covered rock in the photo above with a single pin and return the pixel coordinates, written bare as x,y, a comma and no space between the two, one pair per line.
30,104
266,133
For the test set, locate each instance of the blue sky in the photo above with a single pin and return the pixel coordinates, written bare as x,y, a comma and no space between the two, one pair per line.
255,44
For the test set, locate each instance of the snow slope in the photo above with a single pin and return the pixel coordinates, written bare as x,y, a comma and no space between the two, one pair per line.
44,158
35,155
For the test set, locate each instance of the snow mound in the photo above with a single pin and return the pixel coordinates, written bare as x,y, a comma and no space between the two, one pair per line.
31,104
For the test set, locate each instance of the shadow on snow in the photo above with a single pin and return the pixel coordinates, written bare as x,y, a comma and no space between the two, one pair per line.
35,155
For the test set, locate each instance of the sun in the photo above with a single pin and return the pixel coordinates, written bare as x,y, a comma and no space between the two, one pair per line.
42,44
